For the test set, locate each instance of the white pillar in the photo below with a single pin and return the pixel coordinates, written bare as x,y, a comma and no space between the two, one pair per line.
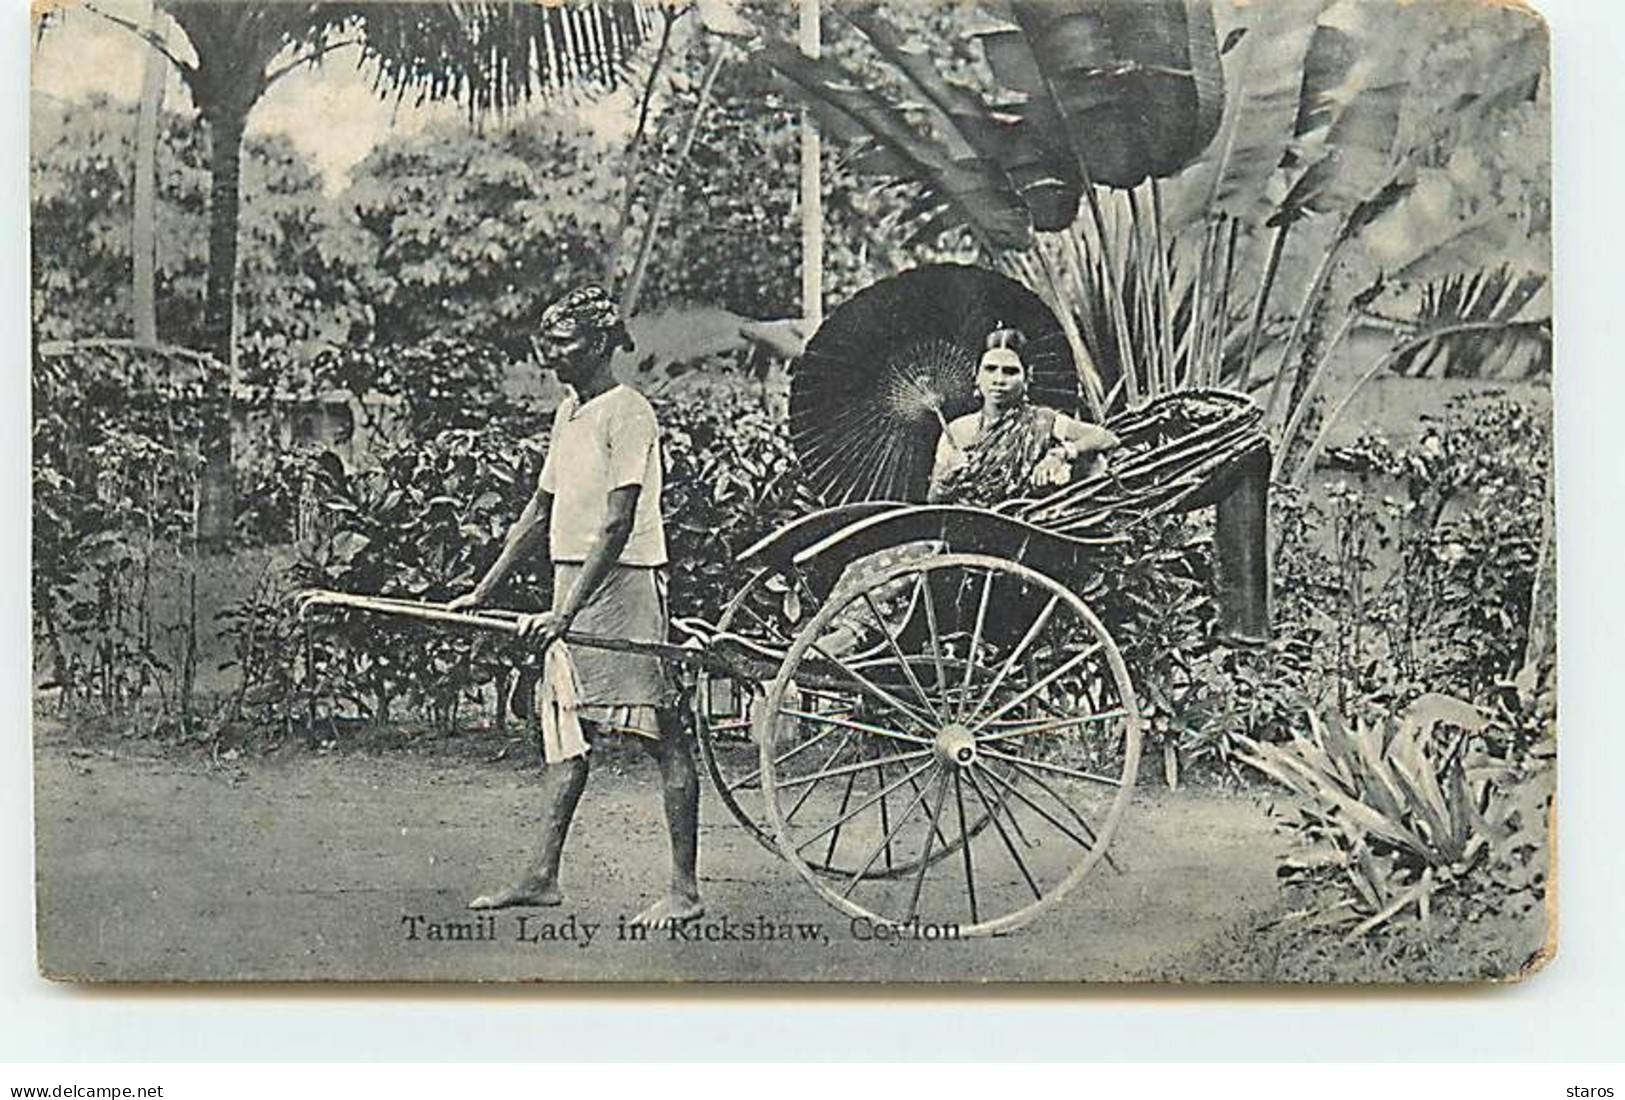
144,231
812,194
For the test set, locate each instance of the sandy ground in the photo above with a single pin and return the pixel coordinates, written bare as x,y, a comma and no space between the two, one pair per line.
309,866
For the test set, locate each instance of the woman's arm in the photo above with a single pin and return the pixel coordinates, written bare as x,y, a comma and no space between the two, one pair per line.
1079,450
1081,438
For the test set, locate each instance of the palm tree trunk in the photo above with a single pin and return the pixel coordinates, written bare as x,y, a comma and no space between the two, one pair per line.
217,506
225,171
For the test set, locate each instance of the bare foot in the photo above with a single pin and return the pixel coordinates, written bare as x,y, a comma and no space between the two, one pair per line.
530,894
671,909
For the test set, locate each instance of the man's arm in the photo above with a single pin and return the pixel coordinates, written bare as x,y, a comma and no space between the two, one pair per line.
602,555
522,541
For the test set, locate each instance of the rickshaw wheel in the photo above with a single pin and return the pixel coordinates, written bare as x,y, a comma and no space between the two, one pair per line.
735,776
1005,694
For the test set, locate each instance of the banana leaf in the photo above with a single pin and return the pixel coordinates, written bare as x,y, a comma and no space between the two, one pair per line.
1133,90
1265,77
1358,160
1043,174
971,190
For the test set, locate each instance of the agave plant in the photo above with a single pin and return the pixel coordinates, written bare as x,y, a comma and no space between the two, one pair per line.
1394,812
1147,166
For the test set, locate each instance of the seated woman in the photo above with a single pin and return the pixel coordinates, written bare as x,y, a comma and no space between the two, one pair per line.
1011,448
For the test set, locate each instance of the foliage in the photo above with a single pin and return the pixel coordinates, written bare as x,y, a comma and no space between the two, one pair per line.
305,273
115,473
1200,691
475,232
1434,580
1393,813
442,382
730,479
421,526
430,518
1160,235
1412,572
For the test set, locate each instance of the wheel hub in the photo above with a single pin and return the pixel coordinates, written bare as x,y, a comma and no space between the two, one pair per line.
955,745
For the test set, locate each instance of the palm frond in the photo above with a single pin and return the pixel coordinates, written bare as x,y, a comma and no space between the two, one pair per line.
493,55
1483,323
1043,175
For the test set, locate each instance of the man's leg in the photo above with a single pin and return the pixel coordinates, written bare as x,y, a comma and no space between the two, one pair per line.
680,790
562,784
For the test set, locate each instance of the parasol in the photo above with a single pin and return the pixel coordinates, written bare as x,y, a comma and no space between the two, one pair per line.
887,370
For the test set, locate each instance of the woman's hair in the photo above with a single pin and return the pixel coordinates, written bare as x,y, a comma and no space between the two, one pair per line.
1002,337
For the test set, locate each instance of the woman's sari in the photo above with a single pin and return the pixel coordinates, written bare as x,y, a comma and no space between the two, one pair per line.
999,463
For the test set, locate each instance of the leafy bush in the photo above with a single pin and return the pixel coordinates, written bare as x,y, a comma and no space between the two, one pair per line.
115,470
1463,528
730,479
1394,812
429,519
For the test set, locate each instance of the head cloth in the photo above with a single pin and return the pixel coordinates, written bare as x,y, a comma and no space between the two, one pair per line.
585,309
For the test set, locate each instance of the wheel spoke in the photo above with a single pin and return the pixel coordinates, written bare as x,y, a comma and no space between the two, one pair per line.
885,841
1015,655
1055,674
1083,822
1087,845
1032,726
852,769
975,640
1038,894
854,724
803,747
936,636
885,816
915,787
864,805
771,630
908,670
835,837
1044,765
931,835
872,688
964,840
846,739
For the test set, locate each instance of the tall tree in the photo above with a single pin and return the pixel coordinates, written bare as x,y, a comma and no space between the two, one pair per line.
490,55
487,54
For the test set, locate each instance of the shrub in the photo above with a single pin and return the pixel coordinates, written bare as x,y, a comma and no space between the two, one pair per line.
1394,812
730,478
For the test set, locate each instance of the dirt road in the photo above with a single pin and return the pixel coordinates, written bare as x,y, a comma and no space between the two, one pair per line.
340,866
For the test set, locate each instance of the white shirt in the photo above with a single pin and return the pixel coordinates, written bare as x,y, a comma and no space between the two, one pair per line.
606,443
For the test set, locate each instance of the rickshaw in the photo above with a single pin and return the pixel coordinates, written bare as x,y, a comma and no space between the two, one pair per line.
915,705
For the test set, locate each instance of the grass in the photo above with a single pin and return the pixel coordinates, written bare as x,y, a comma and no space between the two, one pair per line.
1453,948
